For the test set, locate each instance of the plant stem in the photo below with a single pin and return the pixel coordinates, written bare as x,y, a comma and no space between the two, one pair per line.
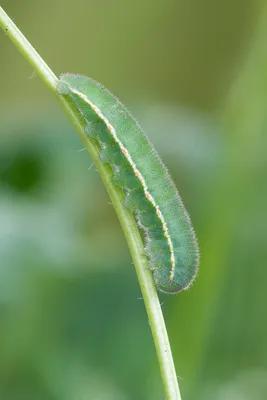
126,219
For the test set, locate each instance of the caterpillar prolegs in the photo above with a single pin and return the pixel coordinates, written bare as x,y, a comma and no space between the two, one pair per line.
150,193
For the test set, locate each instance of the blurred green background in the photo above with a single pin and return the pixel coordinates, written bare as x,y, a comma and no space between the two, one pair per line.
72,322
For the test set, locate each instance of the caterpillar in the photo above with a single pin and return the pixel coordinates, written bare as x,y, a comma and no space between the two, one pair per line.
150,194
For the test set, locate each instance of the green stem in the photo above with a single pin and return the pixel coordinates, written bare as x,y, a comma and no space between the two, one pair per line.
127,221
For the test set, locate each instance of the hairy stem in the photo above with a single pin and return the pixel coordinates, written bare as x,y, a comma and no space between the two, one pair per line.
127,221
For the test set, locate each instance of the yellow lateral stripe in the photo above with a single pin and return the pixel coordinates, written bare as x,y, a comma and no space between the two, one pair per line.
137,174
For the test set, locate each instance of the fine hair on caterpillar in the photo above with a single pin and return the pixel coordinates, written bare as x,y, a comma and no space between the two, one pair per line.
150,193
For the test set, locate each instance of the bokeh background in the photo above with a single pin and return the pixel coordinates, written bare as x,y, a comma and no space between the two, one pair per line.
72,322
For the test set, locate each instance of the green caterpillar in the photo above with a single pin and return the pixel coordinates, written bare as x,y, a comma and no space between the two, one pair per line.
150,194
